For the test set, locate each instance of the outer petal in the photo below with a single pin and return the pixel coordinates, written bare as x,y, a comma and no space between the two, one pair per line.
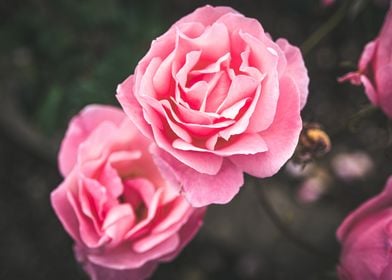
366,249
97,272
200,189
384,48
370,207
64,209
80,128
295,68
131,106
384,83
206,15
367,55
123,257
281,137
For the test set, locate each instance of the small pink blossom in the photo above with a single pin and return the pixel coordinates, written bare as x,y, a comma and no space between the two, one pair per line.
352,166
366,238
219,97
123,215
327,3
375,68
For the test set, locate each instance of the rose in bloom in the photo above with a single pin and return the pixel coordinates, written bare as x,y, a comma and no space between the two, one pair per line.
219,97
123,215
375,68
366,238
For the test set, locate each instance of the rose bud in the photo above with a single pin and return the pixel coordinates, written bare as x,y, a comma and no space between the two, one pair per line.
366,238
123,215
375,68
219,97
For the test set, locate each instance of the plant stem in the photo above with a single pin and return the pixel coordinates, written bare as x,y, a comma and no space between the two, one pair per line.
325,29
265,205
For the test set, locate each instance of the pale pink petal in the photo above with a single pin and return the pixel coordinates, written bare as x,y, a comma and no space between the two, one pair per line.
201,189
295,68
125,95
265,60
155,238
118,222
236,22
213,42
281,137
97,272
79,129
123,257
241,87
63,208
206,15
206,163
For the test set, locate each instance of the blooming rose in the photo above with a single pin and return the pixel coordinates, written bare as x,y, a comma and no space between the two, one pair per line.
366,237
375,68
123,215
219,97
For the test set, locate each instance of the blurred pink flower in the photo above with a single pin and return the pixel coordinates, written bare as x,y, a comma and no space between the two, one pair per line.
375,68
327,3
366,239
219,97
352,166
122,214
311,190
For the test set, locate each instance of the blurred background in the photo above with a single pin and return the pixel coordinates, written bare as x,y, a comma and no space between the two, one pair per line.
56,56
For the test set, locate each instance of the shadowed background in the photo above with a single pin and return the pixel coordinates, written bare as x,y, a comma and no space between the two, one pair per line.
57,56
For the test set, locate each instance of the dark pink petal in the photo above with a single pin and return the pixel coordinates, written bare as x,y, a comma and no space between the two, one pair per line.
384,83
370,207
367,56
384,48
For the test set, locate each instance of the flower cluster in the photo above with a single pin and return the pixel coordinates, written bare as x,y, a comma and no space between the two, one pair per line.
215,97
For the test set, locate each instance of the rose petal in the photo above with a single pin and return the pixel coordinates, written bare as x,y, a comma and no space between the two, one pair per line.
281,137
295,68
80,127
201,189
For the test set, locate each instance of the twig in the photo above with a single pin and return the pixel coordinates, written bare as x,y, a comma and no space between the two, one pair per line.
326,28
285,229
17,129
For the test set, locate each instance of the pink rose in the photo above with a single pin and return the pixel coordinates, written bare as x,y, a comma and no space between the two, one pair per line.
219,97
366,238
375,68
123,215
